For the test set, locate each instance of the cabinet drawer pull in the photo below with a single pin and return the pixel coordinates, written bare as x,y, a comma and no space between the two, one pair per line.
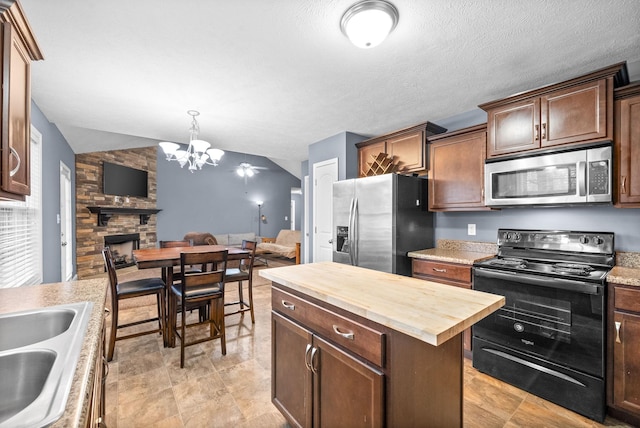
537,131
288,305
544,131
440,270
624,181
306,357
14,170
617,323
312,360
348,335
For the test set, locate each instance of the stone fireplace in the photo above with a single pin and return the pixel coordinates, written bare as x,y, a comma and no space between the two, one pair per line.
119,216
122,247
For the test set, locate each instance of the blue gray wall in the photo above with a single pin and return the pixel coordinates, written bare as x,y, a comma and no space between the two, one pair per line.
55,149
625,223
341,146
217,200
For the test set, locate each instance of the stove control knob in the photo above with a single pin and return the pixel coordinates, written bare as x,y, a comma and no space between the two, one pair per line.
518,327
598,240
584,239
516,237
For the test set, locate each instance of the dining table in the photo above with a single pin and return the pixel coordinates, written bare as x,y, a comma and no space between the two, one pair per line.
167,258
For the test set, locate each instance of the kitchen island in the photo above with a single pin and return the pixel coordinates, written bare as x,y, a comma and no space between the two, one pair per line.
79,402
357,347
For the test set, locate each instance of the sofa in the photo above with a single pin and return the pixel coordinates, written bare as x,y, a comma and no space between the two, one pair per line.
228,239
234,239
286,244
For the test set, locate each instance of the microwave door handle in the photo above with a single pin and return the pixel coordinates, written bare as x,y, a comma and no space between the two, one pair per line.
582,178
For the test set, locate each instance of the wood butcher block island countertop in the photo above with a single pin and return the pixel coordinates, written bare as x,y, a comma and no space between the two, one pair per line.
425,310
357,347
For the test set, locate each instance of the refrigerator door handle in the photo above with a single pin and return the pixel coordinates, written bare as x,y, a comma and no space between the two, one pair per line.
354,243
350,233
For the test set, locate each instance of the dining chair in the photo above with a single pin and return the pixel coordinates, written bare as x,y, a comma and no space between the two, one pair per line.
177,270
198,288
129,290
244,272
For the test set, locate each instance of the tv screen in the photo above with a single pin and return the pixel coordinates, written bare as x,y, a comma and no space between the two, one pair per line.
123,181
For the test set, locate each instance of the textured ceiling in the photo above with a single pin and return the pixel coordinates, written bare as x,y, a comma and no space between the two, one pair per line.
272,77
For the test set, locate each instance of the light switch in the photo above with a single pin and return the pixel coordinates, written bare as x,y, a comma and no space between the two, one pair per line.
471,229
286,218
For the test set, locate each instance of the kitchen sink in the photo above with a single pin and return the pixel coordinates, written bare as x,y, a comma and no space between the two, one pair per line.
23,377
39,351
17,330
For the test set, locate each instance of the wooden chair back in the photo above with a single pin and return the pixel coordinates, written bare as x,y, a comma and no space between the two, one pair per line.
174,244
204,281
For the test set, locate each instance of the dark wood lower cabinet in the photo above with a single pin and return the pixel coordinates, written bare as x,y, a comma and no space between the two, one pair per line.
324,374
623,385
448,273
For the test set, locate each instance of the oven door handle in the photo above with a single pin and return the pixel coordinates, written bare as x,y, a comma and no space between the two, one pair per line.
542,281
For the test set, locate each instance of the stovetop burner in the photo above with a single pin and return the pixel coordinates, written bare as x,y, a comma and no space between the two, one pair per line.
572,269
510,262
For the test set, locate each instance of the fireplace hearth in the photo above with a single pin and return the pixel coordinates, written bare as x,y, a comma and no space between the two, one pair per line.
122,247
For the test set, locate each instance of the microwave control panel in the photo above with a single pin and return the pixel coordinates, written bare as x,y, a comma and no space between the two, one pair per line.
599,177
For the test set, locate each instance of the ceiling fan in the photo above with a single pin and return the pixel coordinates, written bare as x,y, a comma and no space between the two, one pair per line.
245,169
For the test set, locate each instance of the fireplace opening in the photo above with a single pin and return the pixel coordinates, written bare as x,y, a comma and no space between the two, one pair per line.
122,247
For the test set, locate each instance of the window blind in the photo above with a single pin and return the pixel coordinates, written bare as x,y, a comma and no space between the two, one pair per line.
21,230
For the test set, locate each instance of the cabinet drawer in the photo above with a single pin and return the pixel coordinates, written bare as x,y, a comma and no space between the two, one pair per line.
442,270
362,340
627,300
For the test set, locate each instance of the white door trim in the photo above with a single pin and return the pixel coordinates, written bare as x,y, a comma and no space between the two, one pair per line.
322,248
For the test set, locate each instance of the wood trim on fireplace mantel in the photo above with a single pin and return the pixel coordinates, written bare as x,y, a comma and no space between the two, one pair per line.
105,213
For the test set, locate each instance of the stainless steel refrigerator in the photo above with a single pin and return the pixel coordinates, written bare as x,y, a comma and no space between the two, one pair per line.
377,220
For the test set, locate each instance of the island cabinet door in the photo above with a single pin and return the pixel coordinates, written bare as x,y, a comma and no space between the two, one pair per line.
347,392
291,380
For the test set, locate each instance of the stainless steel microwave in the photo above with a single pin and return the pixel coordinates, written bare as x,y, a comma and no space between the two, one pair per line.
580,176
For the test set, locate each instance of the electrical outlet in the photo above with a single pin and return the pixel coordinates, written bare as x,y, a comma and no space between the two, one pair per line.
471,229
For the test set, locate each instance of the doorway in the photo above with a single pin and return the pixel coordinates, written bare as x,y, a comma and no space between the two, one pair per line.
324,175
66,230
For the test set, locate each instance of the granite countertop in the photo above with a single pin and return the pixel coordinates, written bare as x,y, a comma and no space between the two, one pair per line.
454,251
38,296
450,256
627,269
425,310
624,275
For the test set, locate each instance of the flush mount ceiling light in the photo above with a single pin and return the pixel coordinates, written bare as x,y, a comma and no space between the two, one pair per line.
369,22
197,153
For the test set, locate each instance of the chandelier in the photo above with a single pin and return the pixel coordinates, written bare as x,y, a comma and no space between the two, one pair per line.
197,154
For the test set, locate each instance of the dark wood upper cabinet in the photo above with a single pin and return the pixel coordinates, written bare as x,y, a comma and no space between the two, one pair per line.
403,151
456,175
627,146
19,48
577,111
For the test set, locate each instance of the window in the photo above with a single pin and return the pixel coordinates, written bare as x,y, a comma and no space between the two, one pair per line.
21,229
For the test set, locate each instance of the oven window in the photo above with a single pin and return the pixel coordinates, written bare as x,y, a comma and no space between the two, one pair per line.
555,180
542,316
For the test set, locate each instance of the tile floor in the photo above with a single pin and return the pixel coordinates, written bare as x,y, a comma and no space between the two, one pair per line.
147,388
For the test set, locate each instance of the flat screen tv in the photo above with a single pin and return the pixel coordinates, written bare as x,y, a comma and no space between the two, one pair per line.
123,181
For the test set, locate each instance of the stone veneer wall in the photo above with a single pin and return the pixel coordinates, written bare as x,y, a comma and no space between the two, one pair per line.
90,236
